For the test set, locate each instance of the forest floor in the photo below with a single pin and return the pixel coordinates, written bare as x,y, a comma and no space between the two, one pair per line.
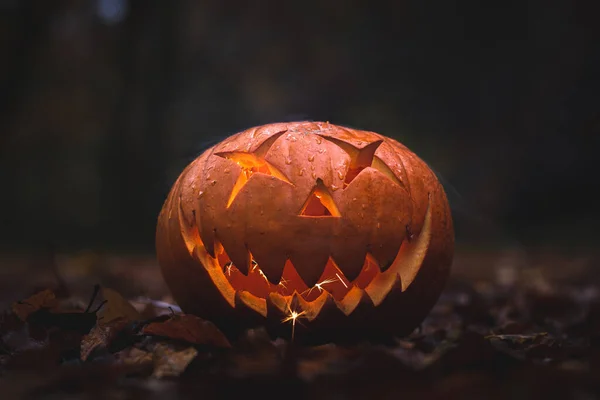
508,325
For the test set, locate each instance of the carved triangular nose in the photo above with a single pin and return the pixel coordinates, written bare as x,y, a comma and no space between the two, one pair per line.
319,203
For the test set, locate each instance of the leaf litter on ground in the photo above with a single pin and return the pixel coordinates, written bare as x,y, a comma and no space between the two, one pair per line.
479,335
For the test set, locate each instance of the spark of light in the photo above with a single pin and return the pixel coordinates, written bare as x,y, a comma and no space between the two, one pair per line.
293,316
263,275
320,285
282,282
228,268
341,280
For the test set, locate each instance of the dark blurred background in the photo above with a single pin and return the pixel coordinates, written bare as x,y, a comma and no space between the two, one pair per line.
103,102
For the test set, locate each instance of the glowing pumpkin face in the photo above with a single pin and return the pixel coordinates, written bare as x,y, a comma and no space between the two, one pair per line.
346,232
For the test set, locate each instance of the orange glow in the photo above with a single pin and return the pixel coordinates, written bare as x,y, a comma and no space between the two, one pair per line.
250,163
319,203
309,226
332,279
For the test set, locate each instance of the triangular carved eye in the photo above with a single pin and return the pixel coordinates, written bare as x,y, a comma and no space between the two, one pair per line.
251,163
319,203
363,158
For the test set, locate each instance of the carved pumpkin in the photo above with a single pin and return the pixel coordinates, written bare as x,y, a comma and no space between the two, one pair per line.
345,234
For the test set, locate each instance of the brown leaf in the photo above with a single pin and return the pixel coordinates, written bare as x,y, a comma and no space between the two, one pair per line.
170,362
44,299
135,356
188,328
101,337
116,307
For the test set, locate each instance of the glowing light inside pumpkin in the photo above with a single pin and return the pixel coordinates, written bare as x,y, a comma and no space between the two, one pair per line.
363,158
319,203
250,163
332,279
257,293
319,285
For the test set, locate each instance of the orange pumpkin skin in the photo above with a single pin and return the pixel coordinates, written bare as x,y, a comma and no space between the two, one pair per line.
334,233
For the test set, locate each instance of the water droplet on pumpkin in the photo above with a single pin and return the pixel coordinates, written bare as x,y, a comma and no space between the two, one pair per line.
226,170
213,183
340,175
301,172
364,206
288,160
321,150
200,193
319,140
208,177
311,158
314,175
312,167
359,143
379,226
354,199
334,188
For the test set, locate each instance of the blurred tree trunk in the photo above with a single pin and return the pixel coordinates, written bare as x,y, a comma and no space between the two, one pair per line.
134,152
25,31
28,31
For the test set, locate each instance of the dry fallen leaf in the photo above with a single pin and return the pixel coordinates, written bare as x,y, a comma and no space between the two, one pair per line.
135,356
188,328
44,299
116,307
170,362
101,336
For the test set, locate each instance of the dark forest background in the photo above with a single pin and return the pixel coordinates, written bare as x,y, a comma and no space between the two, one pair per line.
103,102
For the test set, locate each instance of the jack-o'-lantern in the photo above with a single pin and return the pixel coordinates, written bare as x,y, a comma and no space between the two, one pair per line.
334,233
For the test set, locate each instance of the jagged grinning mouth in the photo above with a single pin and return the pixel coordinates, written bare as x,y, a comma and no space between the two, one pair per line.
254,290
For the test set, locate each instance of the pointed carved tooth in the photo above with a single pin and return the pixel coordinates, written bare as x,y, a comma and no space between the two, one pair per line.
381,286
387,253
405,267
207,232
189,230
351,300
238,254
270,263
410,260
294,303
350,260
309,266
278,302
208,238
212,267
251,301
313,308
